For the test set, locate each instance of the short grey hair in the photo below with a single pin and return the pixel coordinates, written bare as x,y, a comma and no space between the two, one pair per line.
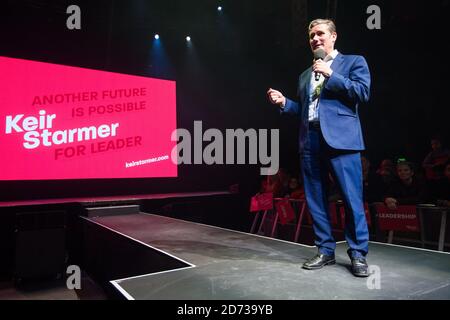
328,22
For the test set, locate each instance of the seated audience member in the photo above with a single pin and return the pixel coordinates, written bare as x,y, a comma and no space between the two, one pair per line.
435,160
295,189
408,190
267,184
381,181
275,184
386,171
283,180
441,188
365,163
372,186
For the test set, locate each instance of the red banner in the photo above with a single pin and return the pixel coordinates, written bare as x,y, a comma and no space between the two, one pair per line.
404,218
285,211
262,201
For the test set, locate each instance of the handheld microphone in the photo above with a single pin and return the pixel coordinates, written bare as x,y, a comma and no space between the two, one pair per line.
319,54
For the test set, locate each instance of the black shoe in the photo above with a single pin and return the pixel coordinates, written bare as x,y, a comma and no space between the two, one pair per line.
360,267
318,261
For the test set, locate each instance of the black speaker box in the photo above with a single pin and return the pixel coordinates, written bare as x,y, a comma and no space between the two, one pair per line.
40,244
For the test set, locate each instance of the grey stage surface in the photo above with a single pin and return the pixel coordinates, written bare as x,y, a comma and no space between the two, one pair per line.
224,264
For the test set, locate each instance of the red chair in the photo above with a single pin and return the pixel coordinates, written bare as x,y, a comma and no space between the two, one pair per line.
262,202
283,213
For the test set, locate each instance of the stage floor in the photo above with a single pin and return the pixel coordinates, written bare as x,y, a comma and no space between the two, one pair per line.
226,264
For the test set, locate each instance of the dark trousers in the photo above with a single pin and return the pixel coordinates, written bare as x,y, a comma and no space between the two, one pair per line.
318,160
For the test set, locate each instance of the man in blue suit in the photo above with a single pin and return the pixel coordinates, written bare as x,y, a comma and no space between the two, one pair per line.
329,95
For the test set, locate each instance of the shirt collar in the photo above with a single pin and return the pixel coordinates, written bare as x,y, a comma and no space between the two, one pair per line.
331,56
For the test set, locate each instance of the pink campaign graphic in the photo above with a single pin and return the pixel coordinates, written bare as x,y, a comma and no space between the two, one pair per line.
62,122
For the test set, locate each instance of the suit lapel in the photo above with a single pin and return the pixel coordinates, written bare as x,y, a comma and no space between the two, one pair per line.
305,86
337,62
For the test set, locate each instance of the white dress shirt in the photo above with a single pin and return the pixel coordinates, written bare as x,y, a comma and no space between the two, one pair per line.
313,111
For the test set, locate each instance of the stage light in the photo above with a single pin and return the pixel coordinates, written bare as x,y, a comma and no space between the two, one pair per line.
156,36
219,8
188,39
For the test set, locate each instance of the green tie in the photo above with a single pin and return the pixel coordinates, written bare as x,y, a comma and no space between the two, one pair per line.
317,90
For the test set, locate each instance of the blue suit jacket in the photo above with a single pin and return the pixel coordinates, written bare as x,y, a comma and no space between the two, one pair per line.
348,86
